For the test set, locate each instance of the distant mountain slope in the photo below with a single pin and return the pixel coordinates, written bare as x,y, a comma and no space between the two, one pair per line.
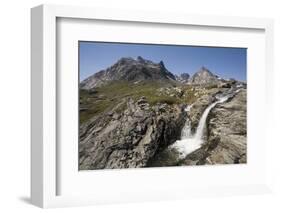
129,69
204,76
183,78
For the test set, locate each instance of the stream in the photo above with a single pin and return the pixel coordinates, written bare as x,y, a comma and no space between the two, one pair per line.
190,141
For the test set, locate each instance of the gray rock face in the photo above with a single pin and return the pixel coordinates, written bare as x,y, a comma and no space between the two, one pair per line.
183,78
227,133
204,76
128,139
129,69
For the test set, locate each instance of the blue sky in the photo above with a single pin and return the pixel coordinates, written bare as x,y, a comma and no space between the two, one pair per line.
224,62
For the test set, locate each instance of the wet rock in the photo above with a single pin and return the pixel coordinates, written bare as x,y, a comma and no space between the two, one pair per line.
198,108
226,134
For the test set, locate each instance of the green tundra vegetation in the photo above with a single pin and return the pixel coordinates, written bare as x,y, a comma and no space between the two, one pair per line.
104,98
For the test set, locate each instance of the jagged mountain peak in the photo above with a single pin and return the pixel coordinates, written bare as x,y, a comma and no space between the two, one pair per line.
141,59
204,76
131,70
204,69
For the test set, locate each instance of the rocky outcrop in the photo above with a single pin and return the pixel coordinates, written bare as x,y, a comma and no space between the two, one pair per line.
129,70
227,132
129,135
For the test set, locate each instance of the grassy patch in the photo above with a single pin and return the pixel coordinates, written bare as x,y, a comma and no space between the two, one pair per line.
106,97
163,99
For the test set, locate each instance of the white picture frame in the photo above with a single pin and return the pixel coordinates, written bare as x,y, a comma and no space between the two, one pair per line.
44,154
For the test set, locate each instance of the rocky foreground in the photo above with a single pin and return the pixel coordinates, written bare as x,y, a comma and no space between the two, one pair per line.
130,138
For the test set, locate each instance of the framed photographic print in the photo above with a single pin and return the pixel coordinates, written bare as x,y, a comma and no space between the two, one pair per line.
130,106
138,113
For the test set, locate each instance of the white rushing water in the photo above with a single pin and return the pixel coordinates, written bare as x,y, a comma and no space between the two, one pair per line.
190,142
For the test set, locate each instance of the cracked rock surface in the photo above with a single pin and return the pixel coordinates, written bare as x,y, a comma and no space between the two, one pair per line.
128,139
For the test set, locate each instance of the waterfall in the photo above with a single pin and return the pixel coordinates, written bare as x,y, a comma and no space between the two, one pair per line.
201,125
186,130
189,142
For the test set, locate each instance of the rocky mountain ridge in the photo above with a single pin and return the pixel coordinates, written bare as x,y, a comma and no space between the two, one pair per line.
131,70
140,69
